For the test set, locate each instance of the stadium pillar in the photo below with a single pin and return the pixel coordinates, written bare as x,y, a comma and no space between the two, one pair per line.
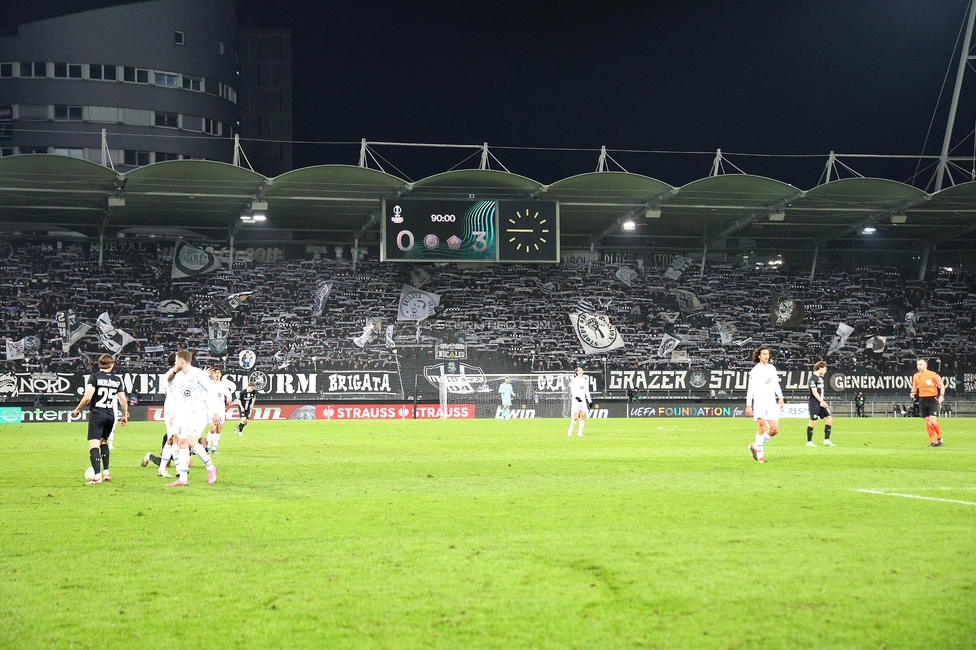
813,268
101,246
701,271
960,73
925,263
355,253
231,242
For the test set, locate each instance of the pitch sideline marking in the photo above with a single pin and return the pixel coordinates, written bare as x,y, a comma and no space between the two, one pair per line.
917,496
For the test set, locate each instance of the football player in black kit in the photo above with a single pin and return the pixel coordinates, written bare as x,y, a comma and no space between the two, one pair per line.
818,405
107,391
245,399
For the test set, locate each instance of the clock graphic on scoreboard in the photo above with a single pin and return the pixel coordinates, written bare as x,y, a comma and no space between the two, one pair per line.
528,231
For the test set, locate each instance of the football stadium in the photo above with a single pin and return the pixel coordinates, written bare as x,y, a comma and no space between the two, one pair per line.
768,388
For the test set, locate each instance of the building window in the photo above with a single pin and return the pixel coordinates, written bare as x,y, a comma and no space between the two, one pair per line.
6,69
220,47
192,83
166,79
169,120
211,126
135,158
162,156
6,151
135,75
70,113
106,72
212,87
33,150
67,70
35,69
179,38
70,153
61,70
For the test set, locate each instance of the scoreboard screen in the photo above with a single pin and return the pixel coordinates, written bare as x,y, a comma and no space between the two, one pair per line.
450,230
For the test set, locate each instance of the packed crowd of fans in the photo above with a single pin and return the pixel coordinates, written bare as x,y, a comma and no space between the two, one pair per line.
512,318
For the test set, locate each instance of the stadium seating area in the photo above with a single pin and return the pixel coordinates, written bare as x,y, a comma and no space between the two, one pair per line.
515,316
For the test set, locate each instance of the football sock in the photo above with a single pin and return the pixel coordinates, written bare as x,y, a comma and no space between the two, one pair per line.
938,430
96,460
810,433
167,454
210,439
155,460
827,432
111,438
571,423
579,431
216,439
929,432
759,440
765,437
202,453
183,464
165,440
104,449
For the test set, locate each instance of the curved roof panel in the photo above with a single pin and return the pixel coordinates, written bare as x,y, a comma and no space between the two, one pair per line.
462,182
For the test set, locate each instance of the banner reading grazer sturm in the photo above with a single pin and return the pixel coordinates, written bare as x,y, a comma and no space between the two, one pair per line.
595,333
189,261
416,304
321,294
785,312
218,331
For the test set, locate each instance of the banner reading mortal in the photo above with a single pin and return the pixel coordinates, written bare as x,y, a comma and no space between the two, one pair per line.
595,333
189,261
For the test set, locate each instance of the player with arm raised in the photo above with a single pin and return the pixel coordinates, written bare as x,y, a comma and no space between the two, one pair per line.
579,390
506,391
107,391
191,394
818,405
761,400
930,390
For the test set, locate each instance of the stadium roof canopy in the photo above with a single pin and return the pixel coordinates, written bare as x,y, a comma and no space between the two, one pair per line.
58,196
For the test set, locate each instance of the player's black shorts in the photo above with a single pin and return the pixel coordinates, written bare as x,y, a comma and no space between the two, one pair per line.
928,406
246,414
100,425
817,411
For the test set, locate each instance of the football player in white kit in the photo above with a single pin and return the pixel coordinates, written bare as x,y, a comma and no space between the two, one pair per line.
190,396
220,399
579,391
761,400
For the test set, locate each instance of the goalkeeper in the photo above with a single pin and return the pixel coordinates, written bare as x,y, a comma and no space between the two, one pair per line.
579,390
506,390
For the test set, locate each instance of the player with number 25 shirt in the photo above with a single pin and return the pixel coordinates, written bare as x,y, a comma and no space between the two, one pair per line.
107,391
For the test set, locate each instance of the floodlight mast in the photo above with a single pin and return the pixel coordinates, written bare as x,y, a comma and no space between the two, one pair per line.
964,58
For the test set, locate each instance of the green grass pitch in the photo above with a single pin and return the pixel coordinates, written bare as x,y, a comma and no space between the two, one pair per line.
483,534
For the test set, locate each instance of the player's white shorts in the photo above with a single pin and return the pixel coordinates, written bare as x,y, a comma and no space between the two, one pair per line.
578,405
190,426
220,418
766,411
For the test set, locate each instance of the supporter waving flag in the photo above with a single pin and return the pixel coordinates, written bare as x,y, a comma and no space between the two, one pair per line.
111,338
15,349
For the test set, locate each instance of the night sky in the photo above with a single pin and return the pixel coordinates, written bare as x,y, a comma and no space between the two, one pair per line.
760,77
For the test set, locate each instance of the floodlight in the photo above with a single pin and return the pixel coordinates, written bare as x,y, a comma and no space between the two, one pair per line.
869,230
629,225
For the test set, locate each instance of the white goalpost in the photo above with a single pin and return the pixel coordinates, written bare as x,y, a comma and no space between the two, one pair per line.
533,396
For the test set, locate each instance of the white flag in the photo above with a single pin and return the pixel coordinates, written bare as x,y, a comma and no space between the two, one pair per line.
322,291
419,277
369,331
15,350
876,344
840,338
726,331
390,343
416,304
626,275
112,339
911,323
66,327
668,344
595,333
189,261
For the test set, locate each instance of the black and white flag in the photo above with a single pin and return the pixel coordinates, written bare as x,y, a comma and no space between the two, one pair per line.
233,302
911,323
688,302
626,275
785,312
369,332
595,333
671,316
726,332
419,277
218,329
173,306
677,267
189,261
416,304
585,306
15,349
321,294
66,328
840,338
111,338
876,344
668,344
390,343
